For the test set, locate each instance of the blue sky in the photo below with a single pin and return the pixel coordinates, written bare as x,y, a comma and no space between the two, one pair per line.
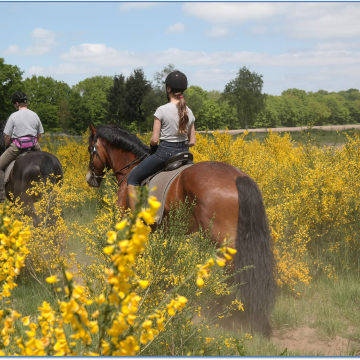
309,45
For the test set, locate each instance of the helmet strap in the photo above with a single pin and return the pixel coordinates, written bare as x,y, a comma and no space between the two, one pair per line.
167,93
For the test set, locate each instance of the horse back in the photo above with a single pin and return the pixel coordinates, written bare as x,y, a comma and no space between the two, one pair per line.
35,166
212,185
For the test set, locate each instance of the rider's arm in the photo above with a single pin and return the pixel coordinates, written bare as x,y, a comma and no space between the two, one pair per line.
156,132
191,135
7,140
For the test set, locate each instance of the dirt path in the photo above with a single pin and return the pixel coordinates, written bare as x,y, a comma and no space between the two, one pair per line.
305,340
289,129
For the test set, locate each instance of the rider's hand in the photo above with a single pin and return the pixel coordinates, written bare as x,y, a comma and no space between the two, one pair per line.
153,149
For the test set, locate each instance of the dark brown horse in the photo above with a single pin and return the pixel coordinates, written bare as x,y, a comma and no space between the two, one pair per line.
219,189
32,167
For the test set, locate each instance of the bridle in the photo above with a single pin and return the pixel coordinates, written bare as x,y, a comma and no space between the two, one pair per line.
92,166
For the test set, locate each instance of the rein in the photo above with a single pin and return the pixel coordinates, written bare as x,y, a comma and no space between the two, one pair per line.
92,166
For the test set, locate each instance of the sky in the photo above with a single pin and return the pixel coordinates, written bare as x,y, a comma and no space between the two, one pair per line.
304,45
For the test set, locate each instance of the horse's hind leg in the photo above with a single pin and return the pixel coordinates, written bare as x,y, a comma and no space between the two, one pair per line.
29,210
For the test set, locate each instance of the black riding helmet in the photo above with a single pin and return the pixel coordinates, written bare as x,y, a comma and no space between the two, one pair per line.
19,97
177,81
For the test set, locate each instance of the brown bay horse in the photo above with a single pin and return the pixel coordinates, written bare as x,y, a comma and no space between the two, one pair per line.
219,189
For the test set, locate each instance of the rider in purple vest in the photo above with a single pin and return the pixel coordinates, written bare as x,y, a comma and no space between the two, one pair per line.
22,131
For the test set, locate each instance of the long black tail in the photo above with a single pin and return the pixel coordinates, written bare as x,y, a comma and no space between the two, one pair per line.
254,247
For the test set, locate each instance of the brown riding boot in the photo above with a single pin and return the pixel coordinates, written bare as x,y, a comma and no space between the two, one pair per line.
2,186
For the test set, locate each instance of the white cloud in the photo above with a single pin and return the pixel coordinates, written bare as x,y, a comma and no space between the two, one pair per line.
213,76
103,56
176,28
128,6
218,12
217,31
62,69
35,70
43,41
301,20
337,45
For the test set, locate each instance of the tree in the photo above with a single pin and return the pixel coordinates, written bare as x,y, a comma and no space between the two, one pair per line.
136,87
64,114
93,92
160,76
195,97
117,107
340,114
10,82
244,92
80,114
45,96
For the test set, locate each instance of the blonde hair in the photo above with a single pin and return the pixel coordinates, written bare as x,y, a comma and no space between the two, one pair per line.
183,115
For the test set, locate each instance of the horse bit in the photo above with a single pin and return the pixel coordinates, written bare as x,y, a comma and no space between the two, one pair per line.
92,166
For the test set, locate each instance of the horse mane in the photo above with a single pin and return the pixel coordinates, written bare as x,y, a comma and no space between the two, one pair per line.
121,138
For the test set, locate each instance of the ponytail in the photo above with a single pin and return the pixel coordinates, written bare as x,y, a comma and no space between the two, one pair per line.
183,115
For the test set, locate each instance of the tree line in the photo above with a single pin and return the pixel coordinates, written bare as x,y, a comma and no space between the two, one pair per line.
131,102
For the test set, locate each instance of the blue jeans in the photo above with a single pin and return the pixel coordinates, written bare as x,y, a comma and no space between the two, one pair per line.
156,161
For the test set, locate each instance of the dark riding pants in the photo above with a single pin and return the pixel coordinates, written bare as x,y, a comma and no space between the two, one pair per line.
156,161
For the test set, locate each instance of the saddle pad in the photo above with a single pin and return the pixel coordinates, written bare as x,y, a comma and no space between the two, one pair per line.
162,181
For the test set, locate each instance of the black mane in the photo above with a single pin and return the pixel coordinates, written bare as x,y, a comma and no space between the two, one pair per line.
121,138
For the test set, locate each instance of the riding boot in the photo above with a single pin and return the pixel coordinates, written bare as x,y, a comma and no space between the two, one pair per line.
2,186
132,197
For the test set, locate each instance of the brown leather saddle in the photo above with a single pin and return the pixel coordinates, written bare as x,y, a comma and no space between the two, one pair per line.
174,163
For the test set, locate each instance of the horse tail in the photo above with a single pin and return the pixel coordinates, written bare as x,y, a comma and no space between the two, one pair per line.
254,248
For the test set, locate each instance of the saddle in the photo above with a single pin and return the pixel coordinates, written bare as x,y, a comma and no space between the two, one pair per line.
164,178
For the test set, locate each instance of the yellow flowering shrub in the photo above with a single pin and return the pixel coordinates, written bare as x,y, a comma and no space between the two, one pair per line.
310,195
118,321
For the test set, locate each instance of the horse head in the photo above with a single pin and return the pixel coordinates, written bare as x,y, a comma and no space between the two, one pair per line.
97,164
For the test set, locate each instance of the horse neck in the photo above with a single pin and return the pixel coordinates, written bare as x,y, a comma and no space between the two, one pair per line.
117,159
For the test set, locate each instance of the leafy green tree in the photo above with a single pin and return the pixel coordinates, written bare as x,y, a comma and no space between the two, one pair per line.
340,114
354,109
80,114
136,88
45,96
64,114
244,92
269,117
93,92
117,107
10,82
195,97
292,111
160,76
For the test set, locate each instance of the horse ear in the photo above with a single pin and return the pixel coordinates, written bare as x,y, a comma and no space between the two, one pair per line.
92,129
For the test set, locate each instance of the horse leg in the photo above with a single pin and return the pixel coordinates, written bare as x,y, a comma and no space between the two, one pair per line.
29,210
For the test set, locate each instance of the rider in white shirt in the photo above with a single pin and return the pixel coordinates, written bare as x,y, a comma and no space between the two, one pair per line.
22,131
